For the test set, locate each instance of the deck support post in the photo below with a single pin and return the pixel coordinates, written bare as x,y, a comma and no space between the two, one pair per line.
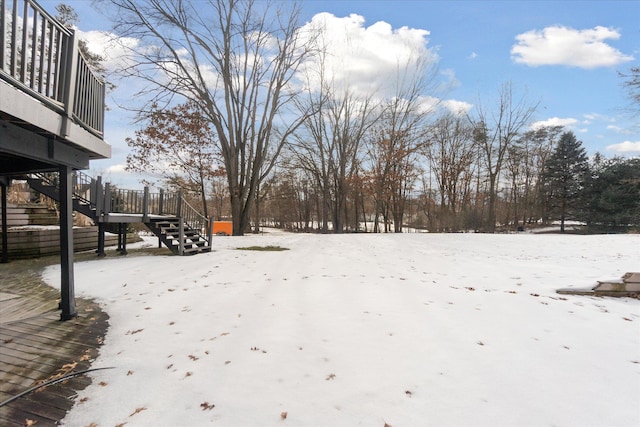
97,196
106,206
122,238
100,250
145,205
67,292
5,232
181,237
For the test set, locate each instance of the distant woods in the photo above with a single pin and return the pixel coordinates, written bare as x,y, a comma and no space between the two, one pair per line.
244,110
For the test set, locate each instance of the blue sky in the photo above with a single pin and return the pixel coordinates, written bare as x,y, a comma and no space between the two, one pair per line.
564,54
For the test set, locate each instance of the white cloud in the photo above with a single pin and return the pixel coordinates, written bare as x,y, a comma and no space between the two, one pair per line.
457,107
116,51
117,169
619,129
368,59
592,117
428,104
560,45
554,121
473,55
625,147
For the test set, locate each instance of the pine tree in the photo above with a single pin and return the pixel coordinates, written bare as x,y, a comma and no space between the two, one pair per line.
614,193
565,173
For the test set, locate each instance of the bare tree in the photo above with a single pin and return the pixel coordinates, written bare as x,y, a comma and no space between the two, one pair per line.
237,59
632,84
495,130
177,145
327,145
399,135
452,156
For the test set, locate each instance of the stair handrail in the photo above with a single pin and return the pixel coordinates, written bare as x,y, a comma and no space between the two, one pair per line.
81,183
195,220
110,199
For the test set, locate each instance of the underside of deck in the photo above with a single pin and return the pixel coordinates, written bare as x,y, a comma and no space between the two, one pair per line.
31,137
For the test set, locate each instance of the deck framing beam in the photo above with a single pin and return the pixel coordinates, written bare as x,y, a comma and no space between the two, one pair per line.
29,145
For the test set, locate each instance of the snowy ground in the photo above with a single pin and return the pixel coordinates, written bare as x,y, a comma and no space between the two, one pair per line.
350,330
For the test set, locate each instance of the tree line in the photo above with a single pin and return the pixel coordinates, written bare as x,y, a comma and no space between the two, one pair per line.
441,181
246,111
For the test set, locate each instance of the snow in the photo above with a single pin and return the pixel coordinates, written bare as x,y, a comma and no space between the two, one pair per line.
34,227
350,330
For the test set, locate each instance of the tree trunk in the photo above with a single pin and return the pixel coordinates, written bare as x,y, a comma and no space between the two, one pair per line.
236,215
562,214
256,227
203,189
491,220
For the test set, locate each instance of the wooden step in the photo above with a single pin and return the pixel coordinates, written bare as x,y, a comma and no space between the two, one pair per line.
197,249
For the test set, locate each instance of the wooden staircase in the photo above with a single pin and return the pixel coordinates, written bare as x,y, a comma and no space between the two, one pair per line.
179,238
176,223
50,189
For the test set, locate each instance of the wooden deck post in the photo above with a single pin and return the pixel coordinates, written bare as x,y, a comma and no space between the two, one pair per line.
100,250
107,198
122,238
5,232
179,207
67,292
145,205
98,195
69,70
181,237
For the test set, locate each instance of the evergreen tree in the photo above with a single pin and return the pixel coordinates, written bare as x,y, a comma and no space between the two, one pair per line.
565,173
613,193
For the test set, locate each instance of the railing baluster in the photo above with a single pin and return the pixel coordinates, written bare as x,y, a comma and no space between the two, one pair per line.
14,40
34,50
24,60
50,87
3,32
43,38
40,55
55,53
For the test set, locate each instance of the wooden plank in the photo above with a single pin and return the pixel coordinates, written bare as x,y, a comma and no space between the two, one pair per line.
36,345
36,410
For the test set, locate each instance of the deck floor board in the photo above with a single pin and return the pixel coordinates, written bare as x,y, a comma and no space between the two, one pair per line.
35,346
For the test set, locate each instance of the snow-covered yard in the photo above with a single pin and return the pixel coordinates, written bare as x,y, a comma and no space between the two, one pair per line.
349,330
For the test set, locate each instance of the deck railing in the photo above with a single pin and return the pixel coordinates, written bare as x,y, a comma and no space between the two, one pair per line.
40,56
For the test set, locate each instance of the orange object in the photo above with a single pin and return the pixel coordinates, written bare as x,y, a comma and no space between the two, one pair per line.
223,228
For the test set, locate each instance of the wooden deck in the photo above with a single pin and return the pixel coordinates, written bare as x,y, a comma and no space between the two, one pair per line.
35,346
